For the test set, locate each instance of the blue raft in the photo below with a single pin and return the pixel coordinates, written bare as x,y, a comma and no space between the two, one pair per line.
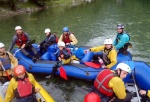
81,71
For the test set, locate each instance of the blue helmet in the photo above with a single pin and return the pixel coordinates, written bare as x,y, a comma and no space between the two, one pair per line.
120,26
65,29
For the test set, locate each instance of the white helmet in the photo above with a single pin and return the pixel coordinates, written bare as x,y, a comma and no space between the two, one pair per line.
18,28
2,45
124,67
108,41
47,30
61,44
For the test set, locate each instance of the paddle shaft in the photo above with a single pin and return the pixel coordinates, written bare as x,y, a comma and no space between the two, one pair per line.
136,88
5,72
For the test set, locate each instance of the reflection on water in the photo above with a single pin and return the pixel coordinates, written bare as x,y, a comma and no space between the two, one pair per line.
91,23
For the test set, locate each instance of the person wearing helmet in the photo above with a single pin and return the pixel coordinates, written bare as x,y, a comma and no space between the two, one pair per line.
109,56
21,86
68,38
122,39
21,39
64,54
49,40
92,97
8,61
109,84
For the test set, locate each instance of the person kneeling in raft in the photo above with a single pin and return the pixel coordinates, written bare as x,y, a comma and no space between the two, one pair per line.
109,55
109,85
21,86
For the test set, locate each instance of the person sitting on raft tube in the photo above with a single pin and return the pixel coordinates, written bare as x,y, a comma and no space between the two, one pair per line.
108,56
21,39
145,95
122,39
68,38
21,86
109,85
49,40
7,61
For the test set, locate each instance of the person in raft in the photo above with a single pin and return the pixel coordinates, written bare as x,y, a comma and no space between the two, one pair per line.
8,62
122,39
109,85
108,58
22,40
21,86
49,40
68,38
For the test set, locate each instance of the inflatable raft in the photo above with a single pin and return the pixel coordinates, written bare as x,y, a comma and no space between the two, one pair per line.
81,71
42,95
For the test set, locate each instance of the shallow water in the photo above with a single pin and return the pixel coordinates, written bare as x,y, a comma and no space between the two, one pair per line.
91,23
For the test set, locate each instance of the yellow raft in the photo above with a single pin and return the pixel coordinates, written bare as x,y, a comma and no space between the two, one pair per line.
42,95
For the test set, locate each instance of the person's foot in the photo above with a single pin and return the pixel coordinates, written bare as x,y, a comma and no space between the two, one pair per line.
49,76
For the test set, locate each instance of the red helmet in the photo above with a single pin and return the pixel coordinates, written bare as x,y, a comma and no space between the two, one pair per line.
92,97
19,70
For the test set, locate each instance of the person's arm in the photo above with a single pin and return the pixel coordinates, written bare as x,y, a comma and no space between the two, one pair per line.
122,42
97,49
14,61
73,39
42,42
61,38
118,87
26,34
113,58
148,94
12,43
10,91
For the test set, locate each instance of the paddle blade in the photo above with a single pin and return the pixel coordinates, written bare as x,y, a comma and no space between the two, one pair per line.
94,65
63,73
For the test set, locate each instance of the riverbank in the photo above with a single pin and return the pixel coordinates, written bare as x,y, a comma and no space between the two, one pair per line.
29,8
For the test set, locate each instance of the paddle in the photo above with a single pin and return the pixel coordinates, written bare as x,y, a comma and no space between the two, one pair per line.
63,73
93,65
132,66
5,71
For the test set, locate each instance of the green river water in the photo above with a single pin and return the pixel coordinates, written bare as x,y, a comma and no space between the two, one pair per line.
91,23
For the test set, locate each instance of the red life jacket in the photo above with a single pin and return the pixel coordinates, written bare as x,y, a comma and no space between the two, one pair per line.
102,80
21,39
66,38
24,87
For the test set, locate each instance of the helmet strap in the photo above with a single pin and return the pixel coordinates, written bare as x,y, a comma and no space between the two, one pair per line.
118,74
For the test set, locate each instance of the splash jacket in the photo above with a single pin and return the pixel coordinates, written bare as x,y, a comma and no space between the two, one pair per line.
19,88
121,40
109,56
110,82
69,38
9,62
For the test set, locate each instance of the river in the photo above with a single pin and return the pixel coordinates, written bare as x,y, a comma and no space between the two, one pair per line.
91,23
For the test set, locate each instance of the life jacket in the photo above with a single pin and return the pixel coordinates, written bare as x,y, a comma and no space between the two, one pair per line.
102,80
21,39
61,52
24,88
118,39
66,38
5,61
105,56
